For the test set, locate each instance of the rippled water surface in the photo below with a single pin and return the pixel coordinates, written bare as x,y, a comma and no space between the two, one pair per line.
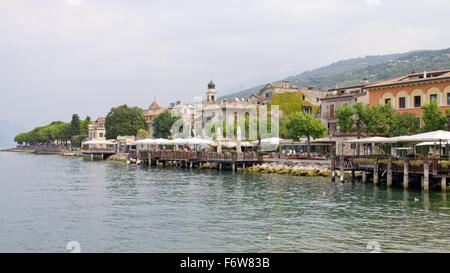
47,201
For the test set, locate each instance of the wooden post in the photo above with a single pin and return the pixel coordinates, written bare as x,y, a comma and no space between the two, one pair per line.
190,164
375,172
389,172
220,166
444,182
426,174
406,174
233,166
353,175
364,176
342,169
333,167
157,162
210,165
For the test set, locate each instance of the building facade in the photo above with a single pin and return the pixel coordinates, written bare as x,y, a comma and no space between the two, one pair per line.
337,97
153,111
408,93
96,130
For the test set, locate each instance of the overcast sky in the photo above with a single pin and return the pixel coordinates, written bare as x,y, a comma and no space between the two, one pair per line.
59,57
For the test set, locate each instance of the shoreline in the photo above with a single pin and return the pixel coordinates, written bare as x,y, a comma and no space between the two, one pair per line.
303,167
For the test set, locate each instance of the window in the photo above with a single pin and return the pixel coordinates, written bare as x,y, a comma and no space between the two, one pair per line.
268,95
332,111
101,134
448,98
401,103
386,101
417,101
433,97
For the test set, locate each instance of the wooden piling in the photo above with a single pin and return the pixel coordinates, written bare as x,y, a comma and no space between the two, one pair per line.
375,172
364,176
389,172
406,174
333,167
342,169
444,182
426,174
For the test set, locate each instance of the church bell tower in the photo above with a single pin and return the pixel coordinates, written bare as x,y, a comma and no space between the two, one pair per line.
211,96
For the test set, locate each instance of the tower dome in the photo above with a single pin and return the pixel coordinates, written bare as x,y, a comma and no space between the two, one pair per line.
211,85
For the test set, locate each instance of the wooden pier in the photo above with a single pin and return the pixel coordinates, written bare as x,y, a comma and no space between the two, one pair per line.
96,154
183,159
426,172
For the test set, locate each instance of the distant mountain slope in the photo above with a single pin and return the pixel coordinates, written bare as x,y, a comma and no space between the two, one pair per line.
352,71
8,131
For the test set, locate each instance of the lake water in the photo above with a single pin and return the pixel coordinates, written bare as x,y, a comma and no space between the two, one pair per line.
47,201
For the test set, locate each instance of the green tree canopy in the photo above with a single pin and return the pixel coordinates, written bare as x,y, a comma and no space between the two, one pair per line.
291,102
433,117
75,125
300,124
162,125
124,121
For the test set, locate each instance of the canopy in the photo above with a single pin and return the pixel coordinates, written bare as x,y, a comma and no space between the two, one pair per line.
161,141
178,141
144,141
429,143
199,141
372,140
272,141
439,135
98,141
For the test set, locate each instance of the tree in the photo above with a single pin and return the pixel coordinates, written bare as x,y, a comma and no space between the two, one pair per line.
345,117
433,117
291,102
162,124
142,134
408,124
383,119
124,121
301,124
75,125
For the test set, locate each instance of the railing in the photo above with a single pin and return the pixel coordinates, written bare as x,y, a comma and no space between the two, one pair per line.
416,165
198,156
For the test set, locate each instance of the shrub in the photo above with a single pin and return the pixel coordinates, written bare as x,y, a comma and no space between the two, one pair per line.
416,163
398,162
444,163
365,161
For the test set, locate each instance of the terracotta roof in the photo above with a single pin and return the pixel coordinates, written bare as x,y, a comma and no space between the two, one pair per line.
413,77
257,96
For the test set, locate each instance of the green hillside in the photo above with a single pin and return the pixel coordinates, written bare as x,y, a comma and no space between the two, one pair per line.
352,71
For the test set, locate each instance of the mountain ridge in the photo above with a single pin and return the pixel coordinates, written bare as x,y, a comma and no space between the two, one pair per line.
352,71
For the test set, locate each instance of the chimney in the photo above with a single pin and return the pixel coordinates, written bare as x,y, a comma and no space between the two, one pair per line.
178,103
365,81
311,87
424,74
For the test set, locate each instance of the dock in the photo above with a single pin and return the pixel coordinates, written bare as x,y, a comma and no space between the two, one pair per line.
184,159
426,172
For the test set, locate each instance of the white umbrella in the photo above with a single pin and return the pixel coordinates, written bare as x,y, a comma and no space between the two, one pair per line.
272,141
372,140
199,141
178,141
429,143
161,141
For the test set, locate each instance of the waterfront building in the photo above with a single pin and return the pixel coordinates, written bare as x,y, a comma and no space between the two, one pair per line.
265,94
228,111
122,142
337,97
409,92
96,130
153,111
185,111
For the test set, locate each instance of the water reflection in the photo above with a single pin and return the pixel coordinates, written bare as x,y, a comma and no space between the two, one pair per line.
109,206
